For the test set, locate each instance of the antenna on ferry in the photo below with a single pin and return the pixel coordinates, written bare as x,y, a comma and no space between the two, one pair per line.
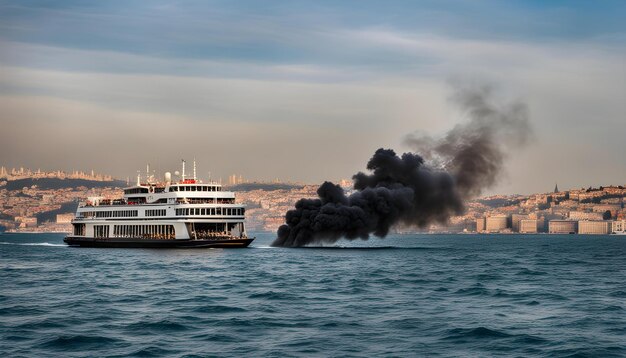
194,168
183,170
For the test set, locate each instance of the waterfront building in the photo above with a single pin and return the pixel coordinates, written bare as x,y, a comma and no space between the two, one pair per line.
528,226
515,221
618,226
541,224
496,223
480,224
562,226
594,227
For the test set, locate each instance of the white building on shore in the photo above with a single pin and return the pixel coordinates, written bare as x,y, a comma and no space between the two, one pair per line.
594,227
562,226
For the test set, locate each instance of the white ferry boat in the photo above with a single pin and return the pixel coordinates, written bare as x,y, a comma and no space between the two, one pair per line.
185,213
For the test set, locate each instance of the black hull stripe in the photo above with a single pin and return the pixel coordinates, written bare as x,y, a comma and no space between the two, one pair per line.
166,244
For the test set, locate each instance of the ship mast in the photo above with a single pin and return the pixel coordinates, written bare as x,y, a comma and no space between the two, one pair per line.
194,168
183,176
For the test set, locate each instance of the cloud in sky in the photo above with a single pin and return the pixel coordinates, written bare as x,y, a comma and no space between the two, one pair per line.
112,85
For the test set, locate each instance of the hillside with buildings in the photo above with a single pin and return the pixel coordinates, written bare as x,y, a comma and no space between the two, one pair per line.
583,211
46,201
586,211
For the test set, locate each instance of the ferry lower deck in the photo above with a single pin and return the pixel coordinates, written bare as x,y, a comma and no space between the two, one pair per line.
117,242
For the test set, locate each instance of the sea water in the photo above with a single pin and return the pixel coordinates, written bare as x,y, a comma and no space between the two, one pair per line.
425,295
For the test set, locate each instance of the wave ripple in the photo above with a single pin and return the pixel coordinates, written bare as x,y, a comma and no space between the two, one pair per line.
430,295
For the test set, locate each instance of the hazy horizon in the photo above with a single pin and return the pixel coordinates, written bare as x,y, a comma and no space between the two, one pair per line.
305,91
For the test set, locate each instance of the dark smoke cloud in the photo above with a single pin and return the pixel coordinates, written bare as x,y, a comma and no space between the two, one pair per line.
400,190
403,190
473,152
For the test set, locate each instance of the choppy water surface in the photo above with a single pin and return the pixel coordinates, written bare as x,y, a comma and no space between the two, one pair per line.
403,296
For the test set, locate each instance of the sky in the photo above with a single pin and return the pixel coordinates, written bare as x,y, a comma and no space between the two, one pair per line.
306,90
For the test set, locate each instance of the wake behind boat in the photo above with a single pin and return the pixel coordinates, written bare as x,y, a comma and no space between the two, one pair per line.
151,214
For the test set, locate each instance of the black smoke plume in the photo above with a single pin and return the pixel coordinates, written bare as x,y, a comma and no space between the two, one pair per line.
403,189
473,152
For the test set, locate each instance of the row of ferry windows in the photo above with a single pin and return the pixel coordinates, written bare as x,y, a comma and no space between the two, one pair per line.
144,231
136,191
210,211
163,212
195,188
155,212
122,213
205,200
111,214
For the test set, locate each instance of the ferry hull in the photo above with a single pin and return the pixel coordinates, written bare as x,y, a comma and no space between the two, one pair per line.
155,244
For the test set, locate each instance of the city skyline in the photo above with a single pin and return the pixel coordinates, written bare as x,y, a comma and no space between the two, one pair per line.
35,200
305,92
44,206
21,172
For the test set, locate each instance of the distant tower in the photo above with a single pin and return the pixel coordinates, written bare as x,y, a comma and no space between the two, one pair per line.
556,188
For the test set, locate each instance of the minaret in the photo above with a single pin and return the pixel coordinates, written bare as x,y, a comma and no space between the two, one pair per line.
556,188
